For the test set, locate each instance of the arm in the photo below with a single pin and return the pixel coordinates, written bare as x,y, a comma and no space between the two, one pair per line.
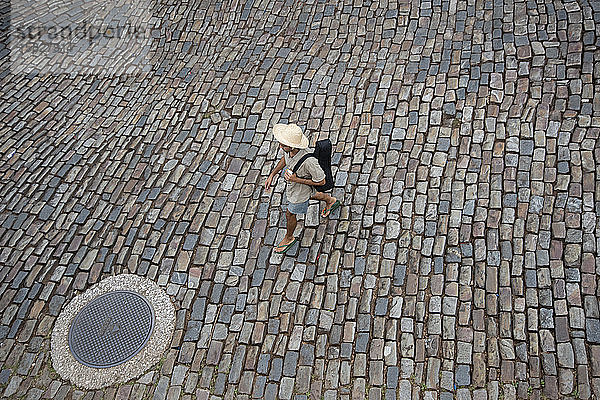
309,182
280,165
313,169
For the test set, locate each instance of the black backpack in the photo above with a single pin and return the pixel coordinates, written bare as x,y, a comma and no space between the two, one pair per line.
323,154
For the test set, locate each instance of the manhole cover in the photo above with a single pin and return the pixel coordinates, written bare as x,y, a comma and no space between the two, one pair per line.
111,329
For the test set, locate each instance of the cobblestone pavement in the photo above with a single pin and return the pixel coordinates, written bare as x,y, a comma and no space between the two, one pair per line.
464,262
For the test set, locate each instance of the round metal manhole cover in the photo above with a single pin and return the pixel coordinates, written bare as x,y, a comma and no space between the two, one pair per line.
111,329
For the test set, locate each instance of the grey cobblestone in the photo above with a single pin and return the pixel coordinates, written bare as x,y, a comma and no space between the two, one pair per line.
462,264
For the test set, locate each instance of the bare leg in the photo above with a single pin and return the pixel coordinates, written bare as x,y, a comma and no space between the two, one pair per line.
291,223
324,197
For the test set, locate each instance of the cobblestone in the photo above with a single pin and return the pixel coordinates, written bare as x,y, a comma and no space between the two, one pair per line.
462,264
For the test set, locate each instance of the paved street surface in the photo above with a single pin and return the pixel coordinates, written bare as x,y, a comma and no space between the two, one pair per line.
463,263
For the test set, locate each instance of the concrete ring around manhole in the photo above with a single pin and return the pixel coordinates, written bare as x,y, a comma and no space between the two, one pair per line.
113,332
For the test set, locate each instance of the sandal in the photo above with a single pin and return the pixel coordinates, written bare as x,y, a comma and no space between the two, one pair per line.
286,247
326,211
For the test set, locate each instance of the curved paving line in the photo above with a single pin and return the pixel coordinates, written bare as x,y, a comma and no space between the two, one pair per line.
462,261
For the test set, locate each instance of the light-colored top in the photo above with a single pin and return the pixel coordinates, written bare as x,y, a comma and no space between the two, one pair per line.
310,169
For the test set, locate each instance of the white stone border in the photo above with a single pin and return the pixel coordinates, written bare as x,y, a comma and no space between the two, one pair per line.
95,378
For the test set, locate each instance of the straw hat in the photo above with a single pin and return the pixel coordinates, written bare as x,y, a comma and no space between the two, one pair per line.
290,135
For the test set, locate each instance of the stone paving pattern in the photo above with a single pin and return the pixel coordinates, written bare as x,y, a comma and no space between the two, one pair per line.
463,264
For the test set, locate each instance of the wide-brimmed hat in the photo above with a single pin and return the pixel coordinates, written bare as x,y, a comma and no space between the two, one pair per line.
290,135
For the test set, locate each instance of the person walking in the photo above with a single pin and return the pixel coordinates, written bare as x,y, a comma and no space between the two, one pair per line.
300,187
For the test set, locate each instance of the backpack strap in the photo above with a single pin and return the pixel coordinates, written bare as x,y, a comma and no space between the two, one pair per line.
299,163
